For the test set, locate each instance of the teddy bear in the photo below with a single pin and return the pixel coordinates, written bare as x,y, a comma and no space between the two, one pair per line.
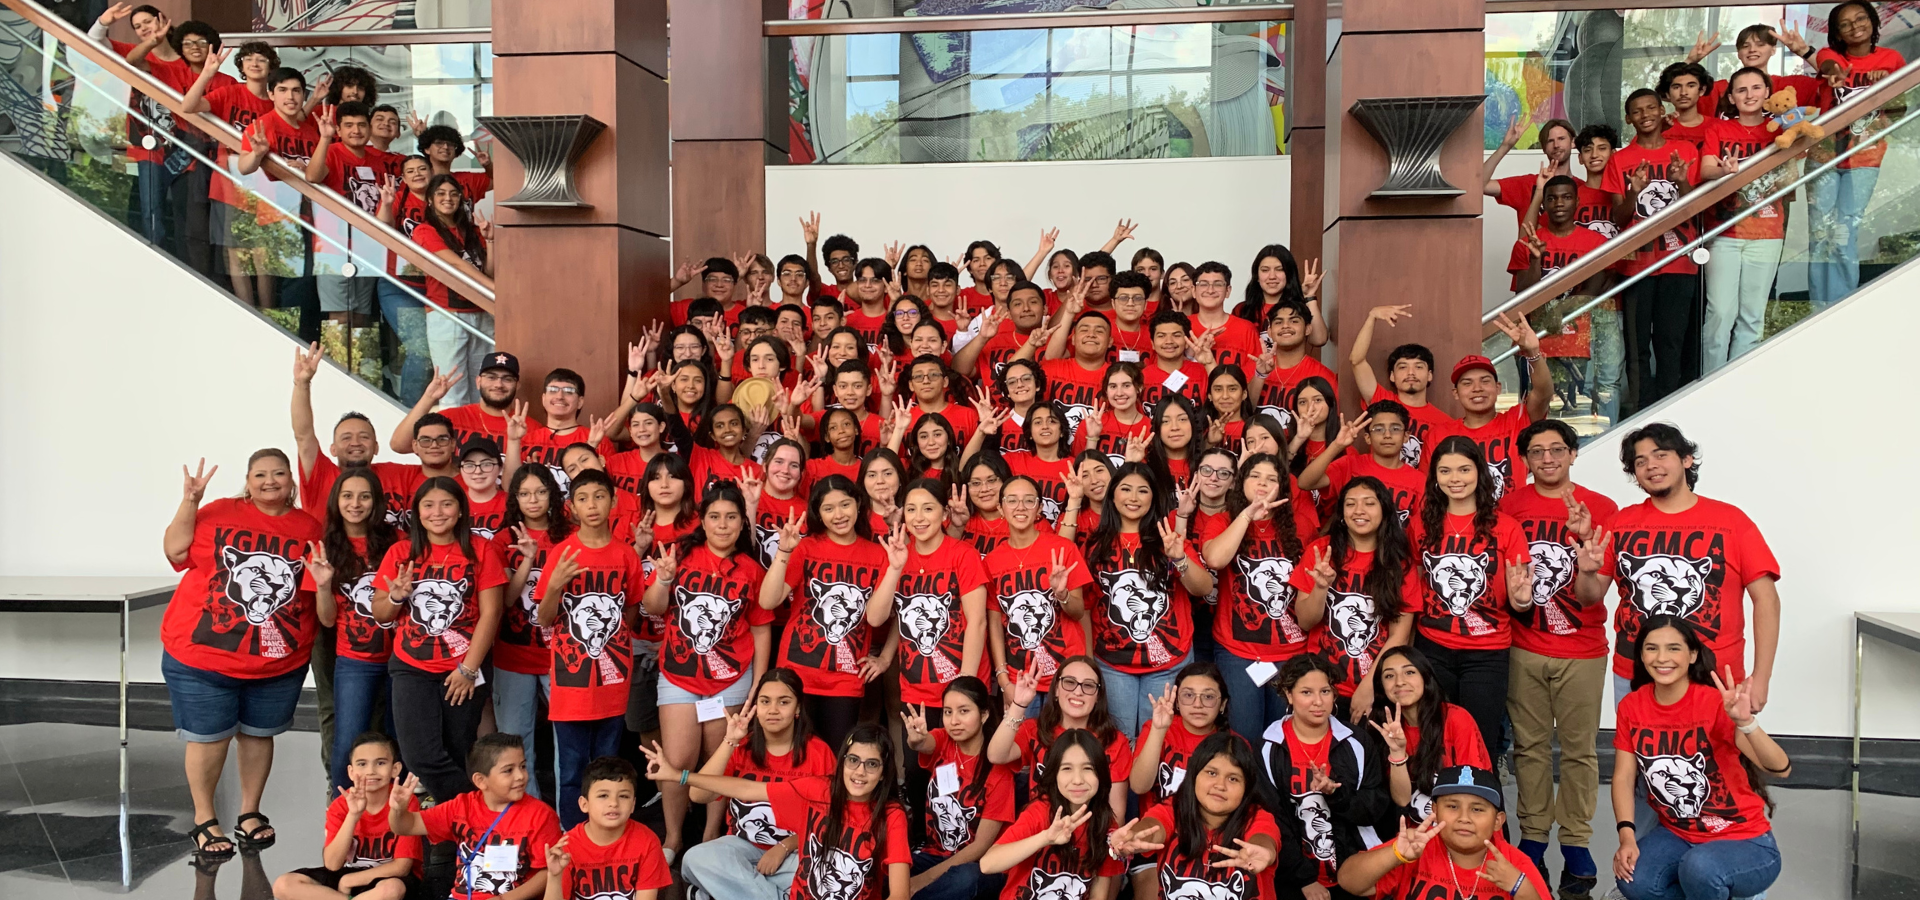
1791,119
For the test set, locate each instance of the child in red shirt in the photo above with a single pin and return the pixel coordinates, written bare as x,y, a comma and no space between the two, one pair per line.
1460,845
1238,841
1058,847
969,800
609,854
362,855
502,834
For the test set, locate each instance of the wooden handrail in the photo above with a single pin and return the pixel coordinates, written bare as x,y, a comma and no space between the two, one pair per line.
322,198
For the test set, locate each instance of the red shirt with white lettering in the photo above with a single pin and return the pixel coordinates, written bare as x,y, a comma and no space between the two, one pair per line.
239,609
1142,619
955,817
544,446
1429,425
1658,195
632,863
521,645
1033,625
235,104
486,515
1075,387
437,625
1464,606
1557,626
527,824
1353,630
835,852
293,143
374,843
1051,874
1690,765
592,648
1560,251
1695,564
1256,619
827,634
715,601
933,623
1182,875
1050,475
753,822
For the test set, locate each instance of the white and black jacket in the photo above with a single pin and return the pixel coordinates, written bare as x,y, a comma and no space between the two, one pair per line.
1360,801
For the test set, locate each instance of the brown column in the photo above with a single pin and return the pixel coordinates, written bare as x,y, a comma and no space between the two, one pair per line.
1424,252
575,285
1307,126
729,105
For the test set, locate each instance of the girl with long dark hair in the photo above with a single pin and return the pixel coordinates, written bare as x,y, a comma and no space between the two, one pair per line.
648,429
1202,511
340,573
452,594
881,478
1262,433
1229,406
1021,384
907,311
453,234
1313,405
838,450
1047,458
1327,781
1087,484
1476,567
1178,288
1036,583
779,499
688,394
769,740
1852,60
1178,440
853,826
1407,702
1077,700
1058,845
937,587
1691,732
1214,836
535,521
1275,276
973,503
970,801
932,446
1362,573
1117,416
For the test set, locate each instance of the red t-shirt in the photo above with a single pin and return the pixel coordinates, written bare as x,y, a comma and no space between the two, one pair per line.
933,624
1256,619
839,859
827,633
239,610
1032,624
820,467
714,604
1880,59
1658,195
772,513
429,239
1498,443
1557,625
409,214
486,515
1690,765
1692,134
1138,628
1309,805
753,822
1464,606
521,646
1694,564
472,420
1049,875
544,446
869,326
374,843
995,354
1276,390
956,817
1460,745
1190,381
1429,425
1049,475
236,105
628,470
528,825
1033,754
1176,747
1183,876
1130,346
632,863
444,605
357,177
1516,193
1435,875
398,481
1113,436
709,466
1353,631
474,183
962,418
1238,343
293,143
356,634
1075,388
1408,483
1807,90
592,648
1733,142
1560,251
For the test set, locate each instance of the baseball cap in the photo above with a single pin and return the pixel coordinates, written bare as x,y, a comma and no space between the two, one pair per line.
500,359
1482,783
1470,363
479,444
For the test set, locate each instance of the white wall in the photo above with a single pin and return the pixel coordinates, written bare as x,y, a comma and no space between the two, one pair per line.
1832,499
117,366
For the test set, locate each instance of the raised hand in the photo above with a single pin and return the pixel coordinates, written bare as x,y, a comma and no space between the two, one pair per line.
557,857
306,363
317,564
959,512
791,531
356,799
402,792
643,533
1497,869
898,547
1028,685
1048,236
442,383
389,192
1391,732
1514,131
1795,43
1058,568
1216,432
1530,236
1322,782
915,719
1251,857
517,421
1390,314
196,480
739,725
1579,518
1639,177
1322,571
1090,426
1676,167
415,123
1520,583
666,561
481,156
1736,696
891,253
1350,432
1186,499
1163,707
561,571
1063,827
401,584
524,542
115,13
1136,448
657,768
1515,327
1170,541
323,120
1076,487
1124,840
1123,231
1310,278
1411,842
751,488
810,228
1591,552
1703,46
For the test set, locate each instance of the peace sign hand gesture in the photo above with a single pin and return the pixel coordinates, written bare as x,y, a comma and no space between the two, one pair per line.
1350,432
1063,827
1058,568
1322,782
317,564
1136,449
666,561
517,421
403,791
523,541
1412,841
1124,841
791,531
1391,733
1027,687
1323,573
1163,709
897,547
1579,517
400,586
1310,278
1124,231
1186,499
1176,549
196,481
1251,857
1736,696
1090,426
324,123
915,719
958,512
561,572
739,725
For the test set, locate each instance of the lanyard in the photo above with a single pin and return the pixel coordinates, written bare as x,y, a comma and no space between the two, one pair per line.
481,848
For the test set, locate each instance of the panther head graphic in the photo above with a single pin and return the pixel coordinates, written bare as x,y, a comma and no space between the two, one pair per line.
769,539
1075,415
1604,227
1316,822
1050,509
1458,579
833,873
1174,887
1678,783
703,617
361,593
1666,585
437,604
1029,617
953,820
530,594
1170,778
1498,471
260,583
1351,622
1042,885
837,608
483,881
593,619
482,534
1655,196
1132,604
560,476
1266,583
364,191
924,621
1279,413
1410,451
753,822
1553,567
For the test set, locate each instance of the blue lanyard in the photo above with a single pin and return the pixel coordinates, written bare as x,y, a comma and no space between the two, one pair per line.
481,847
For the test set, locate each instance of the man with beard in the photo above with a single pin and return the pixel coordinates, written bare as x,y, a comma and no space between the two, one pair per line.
1519,192
496,384
1556,671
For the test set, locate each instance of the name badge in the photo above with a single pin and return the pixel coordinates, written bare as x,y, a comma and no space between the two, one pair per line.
500,858
710,708
1130,356
947,778
1175,382
1262,672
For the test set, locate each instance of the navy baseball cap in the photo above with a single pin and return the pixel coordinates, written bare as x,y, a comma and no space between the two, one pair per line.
1482,783
500,359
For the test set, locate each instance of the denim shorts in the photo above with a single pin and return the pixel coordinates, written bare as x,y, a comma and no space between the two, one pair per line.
209,707
734,695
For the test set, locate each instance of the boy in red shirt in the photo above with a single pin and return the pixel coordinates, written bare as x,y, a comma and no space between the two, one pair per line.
1288,325
1645,177
1076,375
1410,373
287,131
345,161
1520,193
363,856
1171,371
608,854
1685,85
1386,427
496,385
502,834
1235,341
1459,845
1477,387
1132,340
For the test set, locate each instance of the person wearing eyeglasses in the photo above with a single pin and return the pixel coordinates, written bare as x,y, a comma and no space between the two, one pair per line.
563,396
866,301
480,475
1036,580
1384,427
718,276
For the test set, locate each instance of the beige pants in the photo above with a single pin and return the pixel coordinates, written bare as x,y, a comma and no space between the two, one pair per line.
1550,698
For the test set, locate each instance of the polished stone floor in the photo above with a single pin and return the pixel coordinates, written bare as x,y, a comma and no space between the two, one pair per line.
59,821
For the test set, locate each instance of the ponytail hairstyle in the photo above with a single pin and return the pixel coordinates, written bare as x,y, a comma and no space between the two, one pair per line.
462,527
802,723
1190,826
1433,507
1392,553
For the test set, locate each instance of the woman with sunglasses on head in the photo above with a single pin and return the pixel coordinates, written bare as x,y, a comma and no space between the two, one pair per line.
1036,581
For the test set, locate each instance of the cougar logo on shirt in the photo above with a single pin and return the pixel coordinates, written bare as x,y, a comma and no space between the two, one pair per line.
1280,413
529,600
1132,605
260,583
1603,227
1351,623
363,188
1678,783
593,619
1499,472
1050,508
703,617
1316,820
1055,885
1666,585
753,822
833,873
482,881
924,621
1170,778
437,604
1029,617
1658,193
361,593
1410,451
1459,580
1174,887
837,608
1266,583
952,819
1553,567
769,543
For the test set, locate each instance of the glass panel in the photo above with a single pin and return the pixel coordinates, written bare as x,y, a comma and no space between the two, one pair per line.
369,15
82,127
447,84
1143,92
881,9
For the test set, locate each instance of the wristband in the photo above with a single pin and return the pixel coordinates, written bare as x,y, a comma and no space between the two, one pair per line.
1395,847
683,776
1627,824
1517,883
1397,762
1752,726
1533,358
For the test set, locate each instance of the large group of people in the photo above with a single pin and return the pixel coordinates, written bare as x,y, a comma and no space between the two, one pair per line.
1072,581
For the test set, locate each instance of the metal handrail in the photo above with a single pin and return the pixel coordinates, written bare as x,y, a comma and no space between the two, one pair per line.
1097,18
1702,198
1785,191
383,37
103,56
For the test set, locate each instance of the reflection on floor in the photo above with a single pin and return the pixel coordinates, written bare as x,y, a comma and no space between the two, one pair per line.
59,820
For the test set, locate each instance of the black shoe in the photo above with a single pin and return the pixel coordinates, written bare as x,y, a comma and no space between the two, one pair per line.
1573,887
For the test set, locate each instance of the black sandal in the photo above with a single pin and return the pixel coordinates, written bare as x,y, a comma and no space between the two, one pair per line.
249,837
209,847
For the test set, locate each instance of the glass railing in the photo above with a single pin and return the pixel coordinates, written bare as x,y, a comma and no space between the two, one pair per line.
276,250
881,9
369,15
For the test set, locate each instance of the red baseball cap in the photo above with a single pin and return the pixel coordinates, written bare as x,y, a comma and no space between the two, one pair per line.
1470,363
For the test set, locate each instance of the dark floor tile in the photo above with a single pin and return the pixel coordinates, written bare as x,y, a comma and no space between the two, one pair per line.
13,791
81,774
23,842
158,872
91,827
48,882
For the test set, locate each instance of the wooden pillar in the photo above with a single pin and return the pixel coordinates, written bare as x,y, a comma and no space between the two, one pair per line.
1307,126
1426,251
575,285
729,104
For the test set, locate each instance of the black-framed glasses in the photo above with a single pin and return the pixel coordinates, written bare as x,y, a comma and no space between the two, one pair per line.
1556,452
1071,685
440,441
855,762
479,465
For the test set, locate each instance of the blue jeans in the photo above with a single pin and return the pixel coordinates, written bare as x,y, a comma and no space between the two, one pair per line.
579,743
408,319
1838,201
1609,349
1739,277
1672,869
155,208
1250,707
516,710
209,708
357,686
961,882
1130,697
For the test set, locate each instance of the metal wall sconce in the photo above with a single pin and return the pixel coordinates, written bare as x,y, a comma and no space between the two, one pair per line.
1412,131
548,147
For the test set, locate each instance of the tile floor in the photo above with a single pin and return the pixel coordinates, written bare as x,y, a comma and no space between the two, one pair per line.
58,825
